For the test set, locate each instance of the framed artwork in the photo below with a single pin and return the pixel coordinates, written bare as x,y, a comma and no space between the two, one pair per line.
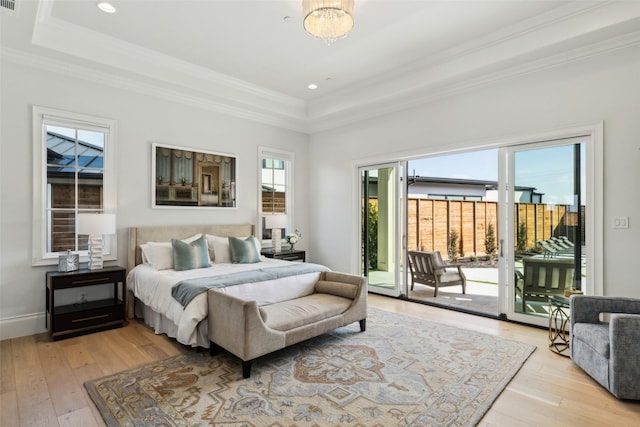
184,177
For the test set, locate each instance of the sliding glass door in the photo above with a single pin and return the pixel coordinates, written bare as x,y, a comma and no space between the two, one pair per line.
544,207
523,220
381,223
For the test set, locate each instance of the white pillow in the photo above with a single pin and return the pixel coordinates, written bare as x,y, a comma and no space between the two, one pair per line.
159,255
220,248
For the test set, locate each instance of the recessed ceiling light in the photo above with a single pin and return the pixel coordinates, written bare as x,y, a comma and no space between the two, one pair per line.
313,86
106,7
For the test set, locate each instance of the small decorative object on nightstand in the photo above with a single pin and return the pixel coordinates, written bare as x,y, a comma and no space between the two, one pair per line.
293,238
85,316
285,254
68,262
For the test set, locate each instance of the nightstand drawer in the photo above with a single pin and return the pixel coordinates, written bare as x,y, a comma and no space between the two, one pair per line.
73,280
71,317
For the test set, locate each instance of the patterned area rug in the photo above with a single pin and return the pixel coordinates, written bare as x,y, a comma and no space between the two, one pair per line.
402,371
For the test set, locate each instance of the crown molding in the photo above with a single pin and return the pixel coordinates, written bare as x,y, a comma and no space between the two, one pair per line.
571,34
62,36
154,89
413,97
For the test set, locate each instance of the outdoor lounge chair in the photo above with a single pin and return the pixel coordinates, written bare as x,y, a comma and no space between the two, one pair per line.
549,251
428,269
552,249
566,241
563,243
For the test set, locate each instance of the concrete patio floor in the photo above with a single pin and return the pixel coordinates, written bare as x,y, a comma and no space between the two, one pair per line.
481,293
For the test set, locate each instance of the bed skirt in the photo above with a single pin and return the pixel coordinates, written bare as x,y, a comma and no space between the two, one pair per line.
162,325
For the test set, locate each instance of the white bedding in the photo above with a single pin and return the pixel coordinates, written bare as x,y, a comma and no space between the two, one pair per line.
153,288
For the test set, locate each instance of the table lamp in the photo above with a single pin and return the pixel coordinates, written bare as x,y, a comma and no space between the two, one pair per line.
276,223
96,226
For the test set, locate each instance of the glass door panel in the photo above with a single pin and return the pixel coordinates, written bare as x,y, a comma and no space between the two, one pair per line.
381,224
545,240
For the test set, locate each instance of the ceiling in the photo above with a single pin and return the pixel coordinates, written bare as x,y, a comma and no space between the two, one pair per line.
253,59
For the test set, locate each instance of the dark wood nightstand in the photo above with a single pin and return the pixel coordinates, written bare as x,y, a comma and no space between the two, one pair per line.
84,317
285,254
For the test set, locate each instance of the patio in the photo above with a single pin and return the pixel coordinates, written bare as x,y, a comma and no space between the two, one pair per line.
481,294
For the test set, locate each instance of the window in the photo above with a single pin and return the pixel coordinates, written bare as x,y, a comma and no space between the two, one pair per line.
273,164
74,173
275,193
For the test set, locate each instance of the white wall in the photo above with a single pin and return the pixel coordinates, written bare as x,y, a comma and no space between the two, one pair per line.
141,120
603,88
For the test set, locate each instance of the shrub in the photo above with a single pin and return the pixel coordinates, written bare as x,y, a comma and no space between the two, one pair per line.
490,240
372,236
452,249
521,244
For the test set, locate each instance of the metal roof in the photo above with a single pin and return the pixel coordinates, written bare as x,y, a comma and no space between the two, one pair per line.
61,152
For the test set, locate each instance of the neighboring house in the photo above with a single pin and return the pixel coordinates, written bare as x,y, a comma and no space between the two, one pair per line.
465,189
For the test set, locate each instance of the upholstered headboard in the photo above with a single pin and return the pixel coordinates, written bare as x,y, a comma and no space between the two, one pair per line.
140,235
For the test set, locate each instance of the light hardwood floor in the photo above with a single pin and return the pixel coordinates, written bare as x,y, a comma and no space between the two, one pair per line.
41,380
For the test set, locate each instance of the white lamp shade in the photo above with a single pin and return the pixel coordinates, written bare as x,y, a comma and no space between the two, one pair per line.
275,221
96,224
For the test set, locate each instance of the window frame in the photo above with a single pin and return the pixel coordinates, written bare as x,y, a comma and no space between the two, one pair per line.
289,158
43,116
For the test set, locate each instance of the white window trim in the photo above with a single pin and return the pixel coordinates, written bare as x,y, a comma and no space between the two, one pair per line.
42,116
288,156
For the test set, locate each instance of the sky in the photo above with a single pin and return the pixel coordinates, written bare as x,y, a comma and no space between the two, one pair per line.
549,170
482,165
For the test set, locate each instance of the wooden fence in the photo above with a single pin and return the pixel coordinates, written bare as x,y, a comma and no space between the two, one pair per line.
430,222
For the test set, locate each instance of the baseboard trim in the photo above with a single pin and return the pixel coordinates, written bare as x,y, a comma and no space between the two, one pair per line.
22,326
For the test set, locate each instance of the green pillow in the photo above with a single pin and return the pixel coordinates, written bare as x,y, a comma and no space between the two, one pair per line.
243,251
187,256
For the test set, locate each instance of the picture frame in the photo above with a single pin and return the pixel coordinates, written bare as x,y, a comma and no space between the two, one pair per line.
192,178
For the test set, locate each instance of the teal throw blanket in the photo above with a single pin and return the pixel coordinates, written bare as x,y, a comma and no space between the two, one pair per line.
188,289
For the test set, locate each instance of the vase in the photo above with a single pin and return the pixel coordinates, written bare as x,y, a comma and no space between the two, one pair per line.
291,248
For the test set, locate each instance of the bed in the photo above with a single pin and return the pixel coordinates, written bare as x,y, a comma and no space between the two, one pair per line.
150,285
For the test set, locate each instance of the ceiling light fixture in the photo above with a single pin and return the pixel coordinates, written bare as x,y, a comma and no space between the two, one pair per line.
328,20
106,7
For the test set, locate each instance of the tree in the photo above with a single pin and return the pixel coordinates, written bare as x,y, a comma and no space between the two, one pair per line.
490,240
521,244
452,249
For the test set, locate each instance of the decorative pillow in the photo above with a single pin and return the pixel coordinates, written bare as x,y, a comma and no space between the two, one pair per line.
219,250
187,256
159,255
243,251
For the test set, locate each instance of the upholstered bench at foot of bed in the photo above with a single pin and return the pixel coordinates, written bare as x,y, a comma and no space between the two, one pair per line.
248,331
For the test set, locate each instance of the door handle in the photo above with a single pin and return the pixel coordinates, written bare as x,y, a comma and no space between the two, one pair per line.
501,248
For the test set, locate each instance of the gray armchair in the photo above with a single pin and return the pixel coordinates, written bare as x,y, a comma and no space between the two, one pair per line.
608,351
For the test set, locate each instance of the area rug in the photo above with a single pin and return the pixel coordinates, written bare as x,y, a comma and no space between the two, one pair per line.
403,371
